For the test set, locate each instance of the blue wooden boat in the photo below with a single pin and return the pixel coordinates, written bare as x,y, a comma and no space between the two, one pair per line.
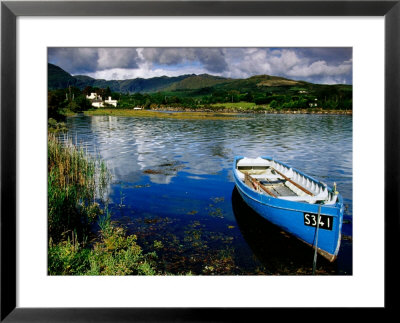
293,201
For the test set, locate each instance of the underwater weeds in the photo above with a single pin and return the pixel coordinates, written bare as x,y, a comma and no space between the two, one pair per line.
75,183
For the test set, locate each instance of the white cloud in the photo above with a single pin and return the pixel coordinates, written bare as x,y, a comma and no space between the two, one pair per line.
319,68
308,64
285,60
143,71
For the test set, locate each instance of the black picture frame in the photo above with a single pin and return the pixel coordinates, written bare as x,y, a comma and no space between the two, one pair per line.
10,10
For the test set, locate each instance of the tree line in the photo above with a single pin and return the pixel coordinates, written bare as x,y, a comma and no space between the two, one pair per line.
324,97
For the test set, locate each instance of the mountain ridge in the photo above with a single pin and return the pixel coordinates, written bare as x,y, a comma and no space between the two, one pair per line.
58,78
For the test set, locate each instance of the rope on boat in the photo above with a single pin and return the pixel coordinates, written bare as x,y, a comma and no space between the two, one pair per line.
316,241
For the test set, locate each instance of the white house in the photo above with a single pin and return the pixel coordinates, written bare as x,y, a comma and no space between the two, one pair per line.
98,102
112,102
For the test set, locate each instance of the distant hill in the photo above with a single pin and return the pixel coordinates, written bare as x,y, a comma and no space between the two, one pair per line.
58,79
194,91
196,84
260,83
268,80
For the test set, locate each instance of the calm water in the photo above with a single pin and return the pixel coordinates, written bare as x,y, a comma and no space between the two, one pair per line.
172,182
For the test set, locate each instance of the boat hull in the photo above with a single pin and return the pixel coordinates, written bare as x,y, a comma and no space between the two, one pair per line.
293,216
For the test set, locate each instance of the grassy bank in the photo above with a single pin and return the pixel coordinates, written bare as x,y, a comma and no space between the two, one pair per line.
191,115
241,106
249,107
76,185
218,112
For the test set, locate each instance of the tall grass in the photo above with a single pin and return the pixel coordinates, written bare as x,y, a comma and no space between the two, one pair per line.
76,182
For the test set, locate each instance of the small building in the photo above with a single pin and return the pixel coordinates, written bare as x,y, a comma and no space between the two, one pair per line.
111,102
98,102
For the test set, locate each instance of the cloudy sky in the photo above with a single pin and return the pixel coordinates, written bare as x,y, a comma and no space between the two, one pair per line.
327,65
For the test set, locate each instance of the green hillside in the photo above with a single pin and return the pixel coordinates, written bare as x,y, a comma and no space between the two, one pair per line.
153,84
58,78
260,83
205,91
197,82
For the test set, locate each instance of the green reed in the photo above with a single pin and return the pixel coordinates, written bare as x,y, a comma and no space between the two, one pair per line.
76,185
76,182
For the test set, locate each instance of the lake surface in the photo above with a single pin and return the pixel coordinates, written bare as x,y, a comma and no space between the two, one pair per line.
173,183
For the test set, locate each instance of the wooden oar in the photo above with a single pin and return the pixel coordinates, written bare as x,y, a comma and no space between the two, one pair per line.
294,183
256,184
266,190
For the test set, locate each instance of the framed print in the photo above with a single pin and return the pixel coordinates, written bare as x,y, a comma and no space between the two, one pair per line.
213,158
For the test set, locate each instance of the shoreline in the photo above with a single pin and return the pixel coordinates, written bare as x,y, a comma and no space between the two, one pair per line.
255,111
189,113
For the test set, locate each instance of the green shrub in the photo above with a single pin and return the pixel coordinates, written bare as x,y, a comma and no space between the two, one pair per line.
114,254
68,258
55,127
119,254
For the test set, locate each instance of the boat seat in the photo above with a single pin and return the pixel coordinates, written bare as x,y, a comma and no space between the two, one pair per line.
266,177
272,182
